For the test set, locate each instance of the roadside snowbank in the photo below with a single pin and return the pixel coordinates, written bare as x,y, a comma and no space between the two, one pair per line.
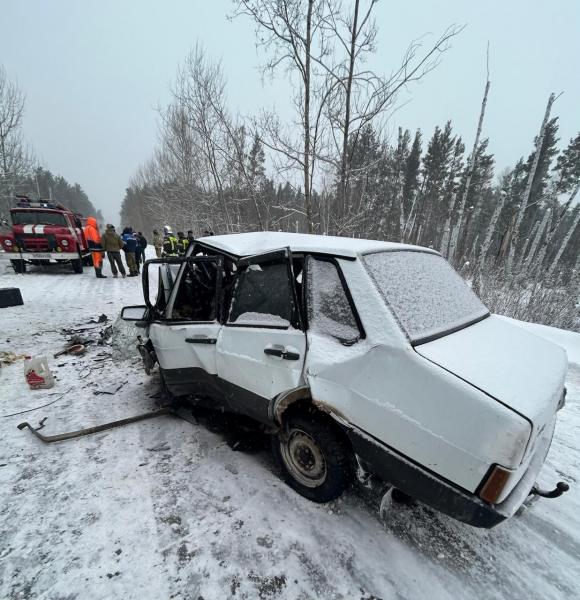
569,340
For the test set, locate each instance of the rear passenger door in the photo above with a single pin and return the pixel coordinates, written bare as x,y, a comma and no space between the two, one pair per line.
262,346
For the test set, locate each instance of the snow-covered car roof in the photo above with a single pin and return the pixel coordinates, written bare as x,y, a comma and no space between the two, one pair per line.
247,244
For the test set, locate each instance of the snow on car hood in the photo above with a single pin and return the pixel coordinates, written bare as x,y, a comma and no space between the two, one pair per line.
519,369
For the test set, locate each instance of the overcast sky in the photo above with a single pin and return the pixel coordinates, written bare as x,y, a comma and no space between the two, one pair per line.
94,71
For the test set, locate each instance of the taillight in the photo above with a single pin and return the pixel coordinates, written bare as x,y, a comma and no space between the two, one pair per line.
494,484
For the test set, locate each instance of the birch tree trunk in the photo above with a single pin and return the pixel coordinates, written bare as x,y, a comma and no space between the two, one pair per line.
487,242
307,182
344,167
545,222
530,238
463,201
528,190
564,243
444,248
554,228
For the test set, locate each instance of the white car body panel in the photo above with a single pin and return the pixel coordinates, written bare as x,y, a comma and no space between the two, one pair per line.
405,400
241,359
415,408
173,352
246,244
518,368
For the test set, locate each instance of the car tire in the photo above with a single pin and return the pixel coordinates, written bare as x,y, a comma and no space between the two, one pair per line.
77,265
19,266
313,456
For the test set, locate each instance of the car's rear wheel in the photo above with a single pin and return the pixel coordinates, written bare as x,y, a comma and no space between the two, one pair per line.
315,459
19,266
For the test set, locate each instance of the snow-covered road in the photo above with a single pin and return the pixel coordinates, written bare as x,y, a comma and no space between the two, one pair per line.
167,509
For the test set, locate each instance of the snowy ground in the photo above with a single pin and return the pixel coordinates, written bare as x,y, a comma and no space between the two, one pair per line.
167,509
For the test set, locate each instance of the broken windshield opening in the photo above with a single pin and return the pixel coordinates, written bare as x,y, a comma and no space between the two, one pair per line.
427,296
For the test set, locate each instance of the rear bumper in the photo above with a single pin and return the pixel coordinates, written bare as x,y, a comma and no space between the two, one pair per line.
30,256
438,493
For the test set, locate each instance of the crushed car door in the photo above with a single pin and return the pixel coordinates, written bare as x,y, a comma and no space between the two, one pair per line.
184,332
262,346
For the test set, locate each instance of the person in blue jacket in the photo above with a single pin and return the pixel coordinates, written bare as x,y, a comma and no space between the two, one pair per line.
130,249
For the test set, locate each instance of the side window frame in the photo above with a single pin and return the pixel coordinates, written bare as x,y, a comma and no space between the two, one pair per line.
332,260
182,262
297,320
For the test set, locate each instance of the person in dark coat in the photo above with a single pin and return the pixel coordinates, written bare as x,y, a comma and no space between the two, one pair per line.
182,243
112,245
141,249
169,242
130,249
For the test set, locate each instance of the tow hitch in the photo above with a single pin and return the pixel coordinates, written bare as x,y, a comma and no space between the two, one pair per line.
561,488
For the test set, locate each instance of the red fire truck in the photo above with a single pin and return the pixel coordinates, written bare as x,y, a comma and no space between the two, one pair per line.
43,233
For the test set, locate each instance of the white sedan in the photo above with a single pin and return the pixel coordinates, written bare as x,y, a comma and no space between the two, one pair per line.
359,355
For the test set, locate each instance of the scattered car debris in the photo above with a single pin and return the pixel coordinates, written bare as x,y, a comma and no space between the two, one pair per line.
110,389
9,358
60,396
51,439
75,349
162,447
102,319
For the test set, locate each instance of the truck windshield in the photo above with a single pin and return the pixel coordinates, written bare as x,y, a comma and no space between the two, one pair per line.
38,217
428,298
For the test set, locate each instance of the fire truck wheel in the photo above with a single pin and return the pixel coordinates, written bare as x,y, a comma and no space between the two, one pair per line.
77,265
19,266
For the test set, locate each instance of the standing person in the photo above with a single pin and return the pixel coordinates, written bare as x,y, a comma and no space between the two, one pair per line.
93,238
182,243
137,250
130,249
169,242
190,238
142,246
112,245
157,243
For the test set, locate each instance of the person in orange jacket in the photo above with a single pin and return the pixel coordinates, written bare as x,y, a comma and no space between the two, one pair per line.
93,238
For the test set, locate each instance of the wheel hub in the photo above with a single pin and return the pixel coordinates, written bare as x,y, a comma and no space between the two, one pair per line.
304,458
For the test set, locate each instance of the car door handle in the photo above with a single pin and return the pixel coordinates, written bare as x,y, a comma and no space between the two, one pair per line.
281,352
201,340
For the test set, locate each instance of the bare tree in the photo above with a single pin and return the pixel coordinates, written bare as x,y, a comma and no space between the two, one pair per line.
490,232
359,95
564,242
291,29
524,202
470,171
554,227
15,159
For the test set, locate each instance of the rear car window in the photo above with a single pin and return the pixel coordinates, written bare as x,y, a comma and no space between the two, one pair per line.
329,311
428,298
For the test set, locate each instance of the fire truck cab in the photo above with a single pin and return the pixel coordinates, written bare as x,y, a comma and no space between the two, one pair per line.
44,233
